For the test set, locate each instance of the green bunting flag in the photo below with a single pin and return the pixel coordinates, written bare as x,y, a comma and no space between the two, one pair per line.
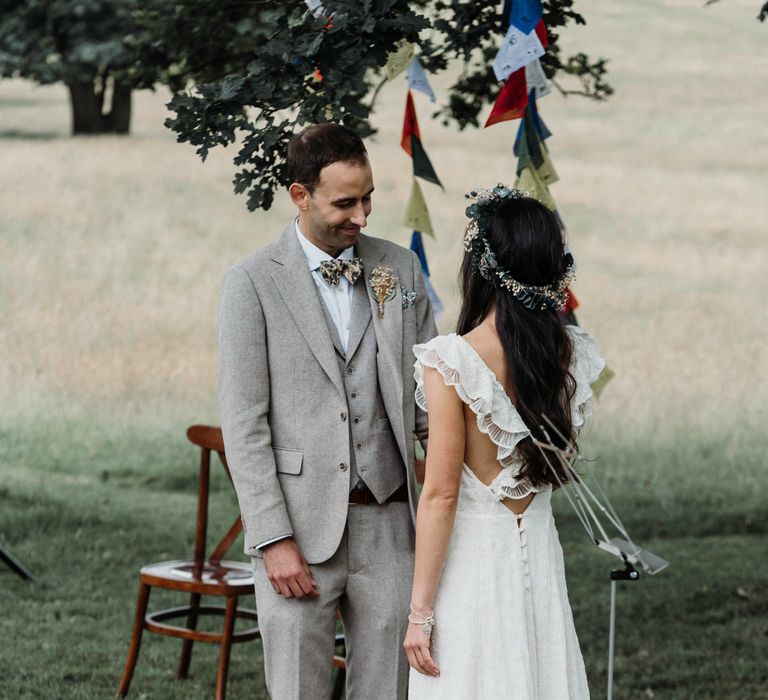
422,166
416,214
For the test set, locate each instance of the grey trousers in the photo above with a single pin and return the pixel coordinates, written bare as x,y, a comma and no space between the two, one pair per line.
368,580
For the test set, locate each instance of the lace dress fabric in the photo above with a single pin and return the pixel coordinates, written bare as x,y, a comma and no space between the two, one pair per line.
504,625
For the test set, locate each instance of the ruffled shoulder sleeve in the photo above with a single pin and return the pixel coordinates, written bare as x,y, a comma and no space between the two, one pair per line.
586,365
476,385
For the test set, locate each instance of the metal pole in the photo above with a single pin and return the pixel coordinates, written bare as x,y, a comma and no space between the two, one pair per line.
611,633
14,565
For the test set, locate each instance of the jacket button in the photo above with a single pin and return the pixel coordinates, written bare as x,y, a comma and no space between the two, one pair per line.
343,416
350,370
355,420
354,395
342,466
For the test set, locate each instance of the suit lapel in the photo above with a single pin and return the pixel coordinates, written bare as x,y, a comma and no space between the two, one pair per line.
360,313
389,339
297,288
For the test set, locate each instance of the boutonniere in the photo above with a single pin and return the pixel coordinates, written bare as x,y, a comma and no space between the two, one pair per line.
408,296
383,282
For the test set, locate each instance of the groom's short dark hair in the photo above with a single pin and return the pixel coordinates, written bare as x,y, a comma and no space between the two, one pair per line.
311,150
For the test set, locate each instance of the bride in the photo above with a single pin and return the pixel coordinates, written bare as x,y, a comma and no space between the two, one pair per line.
490,616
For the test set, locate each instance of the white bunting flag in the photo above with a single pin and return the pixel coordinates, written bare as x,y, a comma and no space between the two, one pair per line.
536,80
417,78
518,50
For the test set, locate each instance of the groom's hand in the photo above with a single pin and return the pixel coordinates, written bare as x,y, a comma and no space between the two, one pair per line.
288,571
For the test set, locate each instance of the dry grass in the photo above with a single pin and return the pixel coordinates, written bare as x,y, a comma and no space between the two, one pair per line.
112,248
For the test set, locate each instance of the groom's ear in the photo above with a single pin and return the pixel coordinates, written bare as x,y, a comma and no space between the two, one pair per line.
299,195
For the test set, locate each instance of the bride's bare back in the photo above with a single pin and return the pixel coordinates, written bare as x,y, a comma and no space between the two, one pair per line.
479,451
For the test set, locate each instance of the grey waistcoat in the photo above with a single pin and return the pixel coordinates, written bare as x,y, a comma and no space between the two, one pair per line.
374,456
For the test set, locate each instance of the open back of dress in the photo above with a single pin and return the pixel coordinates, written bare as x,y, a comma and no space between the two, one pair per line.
504,625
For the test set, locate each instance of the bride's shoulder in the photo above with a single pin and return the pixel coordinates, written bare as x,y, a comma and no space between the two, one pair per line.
586,357
446,347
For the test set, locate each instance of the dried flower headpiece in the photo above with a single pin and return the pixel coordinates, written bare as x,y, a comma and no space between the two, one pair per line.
481,213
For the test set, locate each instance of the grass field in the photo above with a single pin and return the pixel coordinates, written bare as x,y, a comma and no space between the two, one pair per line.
111,254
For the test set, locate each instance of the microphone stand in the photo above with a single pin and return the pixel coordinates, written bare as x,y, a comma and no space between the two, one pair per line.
586,505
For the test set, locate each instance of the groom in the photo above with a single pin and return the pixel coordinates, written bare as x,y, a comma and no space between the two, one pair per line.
319,421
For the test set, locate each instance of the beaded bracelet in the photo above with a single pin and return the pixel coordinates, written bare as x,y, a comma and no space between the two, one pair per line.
427,623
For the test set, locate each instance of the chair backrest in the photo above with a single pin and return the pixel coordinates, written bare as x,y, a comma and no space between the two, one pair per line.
209,439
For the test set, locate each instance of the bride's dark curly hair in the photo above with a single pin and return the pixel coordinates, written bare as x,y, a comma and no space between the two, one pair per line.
527,239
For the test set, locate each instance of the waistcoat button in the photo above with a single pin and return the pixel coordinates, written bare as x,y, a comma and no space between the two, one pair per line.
343,466
343,416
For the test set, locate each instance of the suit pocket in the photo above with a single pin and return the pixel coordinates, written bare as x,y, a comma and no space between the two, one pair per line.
384,425
288,461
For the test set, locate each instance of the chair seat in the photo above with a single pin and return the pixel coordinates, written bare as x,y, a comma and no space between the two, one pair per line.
224,578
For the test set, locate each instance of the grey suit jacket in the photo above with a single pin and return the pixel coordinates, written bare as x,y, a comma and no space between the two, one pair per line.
283,403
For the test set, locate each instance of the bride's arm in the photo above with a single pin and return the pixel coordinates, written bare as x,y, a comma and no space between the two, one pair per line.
437,509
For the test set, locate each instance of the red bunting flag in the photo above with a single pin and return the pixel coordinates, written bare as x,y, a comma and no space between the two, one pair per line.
512,100
541,32
410,125
572,303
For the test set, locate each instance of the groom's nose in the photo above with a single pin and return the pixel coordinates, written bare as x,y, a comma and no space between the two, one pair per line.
359,216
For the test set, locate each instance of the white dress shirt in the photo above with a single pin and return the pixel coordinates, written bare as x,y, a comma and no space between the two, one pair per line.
337,298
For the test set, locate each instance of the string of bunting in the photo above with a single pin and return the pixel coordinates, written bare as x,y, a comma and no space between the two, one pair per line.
416,214
518,64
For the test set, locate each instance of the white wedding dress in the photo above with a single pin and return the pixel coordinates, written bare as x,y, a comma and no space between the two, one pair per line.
504,627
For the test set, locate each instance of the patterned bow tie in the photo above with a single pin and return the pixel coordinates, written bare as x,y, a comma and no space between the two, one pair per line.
332,270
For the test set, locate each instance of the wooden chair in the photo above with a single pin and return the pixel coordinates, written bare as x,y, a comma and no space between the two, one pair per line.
197,577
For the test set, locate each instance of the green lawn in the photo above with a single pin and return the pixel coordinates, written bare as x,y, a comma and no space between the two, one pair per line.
111,255
83,514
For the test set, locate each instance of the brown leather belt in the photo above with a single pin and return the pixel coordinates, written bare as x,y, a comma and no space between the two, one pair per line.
364,497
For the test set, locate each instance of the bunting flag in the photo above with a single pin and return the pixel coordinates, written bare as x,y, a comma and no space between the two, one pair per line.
416,215
422,166
530,181
411,144
512,100
524,14
541,128
517,51
410,125
417,78
417,246
398,59
536,79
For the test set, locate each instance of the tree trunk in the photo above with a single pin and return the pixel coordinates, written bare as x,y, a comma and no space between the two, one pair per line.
87,104
118,121
86,111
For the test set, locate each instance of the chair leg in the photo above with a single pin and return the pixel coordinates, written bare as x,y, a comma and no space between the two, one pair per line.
133,650
226,647
339,683
186,647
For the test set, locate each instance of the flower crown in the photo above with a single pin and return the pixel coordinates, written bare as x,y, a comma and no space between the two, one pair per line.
481,213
